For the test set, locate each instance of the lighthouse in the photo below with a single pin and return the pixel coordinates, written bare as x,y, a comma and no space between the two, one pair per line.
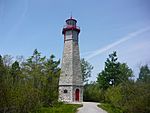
70,81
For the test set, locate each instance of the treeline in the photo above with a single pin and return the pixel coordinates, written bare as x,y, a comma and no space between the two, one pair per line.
116,88
27,85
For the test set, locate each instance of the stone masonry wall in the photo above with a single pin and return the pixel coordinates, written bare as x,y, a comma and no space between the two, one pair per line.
70,77
65,97
66,75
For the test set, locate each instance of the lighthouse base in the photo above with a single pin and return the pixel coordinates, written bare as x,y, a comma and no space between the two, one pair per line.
71,94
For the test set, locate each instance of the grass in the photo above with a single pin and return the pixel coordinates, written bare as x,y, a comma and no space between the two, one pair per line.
63,108
109,108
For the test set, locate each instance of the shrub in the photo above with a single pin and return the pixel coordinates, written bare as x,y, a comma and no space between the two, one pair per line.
109,108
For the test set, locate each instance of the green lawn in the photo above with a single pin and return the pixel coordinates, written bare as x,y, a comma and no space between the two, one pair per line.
109,108
64,108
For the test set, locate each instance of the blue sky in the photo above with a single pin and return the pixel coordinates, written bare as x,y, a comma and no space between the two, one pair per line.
106,26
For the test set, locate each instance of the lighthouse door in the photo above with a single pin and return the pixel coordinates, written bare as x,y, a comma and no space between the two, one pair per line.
77,95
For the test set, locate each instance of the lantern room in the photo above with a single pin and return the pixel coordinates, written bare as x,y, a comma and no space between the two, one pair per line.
70,25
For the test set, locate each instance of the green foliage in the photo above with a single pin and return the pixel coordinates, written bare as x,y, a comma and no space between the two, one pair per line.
144,75
86,69
64,108
114,73
125,94
3,70
113,95
91,92
7,60
15,72
27,86
52,72
137,98
109,108
34,69
131,98
32,86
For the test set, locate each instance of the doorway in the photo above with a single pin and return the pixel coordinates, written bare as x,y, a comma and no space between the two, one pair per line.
77,95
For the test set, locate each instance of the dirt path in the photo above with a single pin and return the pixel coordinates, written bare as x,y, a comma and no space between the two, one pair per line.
90,107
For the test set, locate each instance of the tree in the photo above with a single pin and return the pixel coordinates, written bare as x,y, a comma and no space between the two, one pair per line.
124,73
15,71
91,92
144,75
7,60
27,85
86,69
2,68
52,73
114,72
33,68
3,86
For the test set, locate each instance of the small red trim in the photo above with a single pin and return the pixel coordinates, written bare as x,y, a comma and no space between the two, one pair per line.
69,27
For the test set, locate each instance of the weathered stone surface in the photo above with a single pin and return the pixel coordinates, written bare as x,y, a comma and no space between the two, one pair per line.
71,78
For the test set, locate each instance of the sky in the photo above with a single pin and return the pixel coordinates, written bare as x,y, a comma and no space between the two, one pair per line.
106,26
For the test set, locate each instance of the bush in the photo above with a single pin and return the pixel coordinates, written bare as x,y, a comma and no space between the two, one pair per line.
27,86
131,98
109,108
19,99
137,99
114,96
92,93
60,108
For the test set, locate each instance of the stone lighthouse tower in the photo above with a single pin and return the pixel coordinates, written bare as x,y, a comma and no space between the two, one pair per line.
70,81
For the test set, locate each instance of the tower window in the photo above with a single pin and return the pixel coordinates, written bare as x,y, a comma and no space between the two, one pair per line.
65,91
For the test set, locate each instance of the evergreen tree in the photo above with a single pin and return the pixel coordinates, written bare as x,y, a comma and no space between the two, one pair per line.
86,69
26,86
114,72
15,71
2,68
34,67
144,75
52,73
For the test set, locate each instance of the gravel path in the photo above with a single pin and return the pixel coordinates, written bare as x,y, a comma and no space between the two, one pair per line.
90,107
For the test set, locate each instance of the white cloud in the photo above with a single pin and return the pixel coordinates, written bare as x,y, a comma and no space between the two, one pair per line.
122,40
